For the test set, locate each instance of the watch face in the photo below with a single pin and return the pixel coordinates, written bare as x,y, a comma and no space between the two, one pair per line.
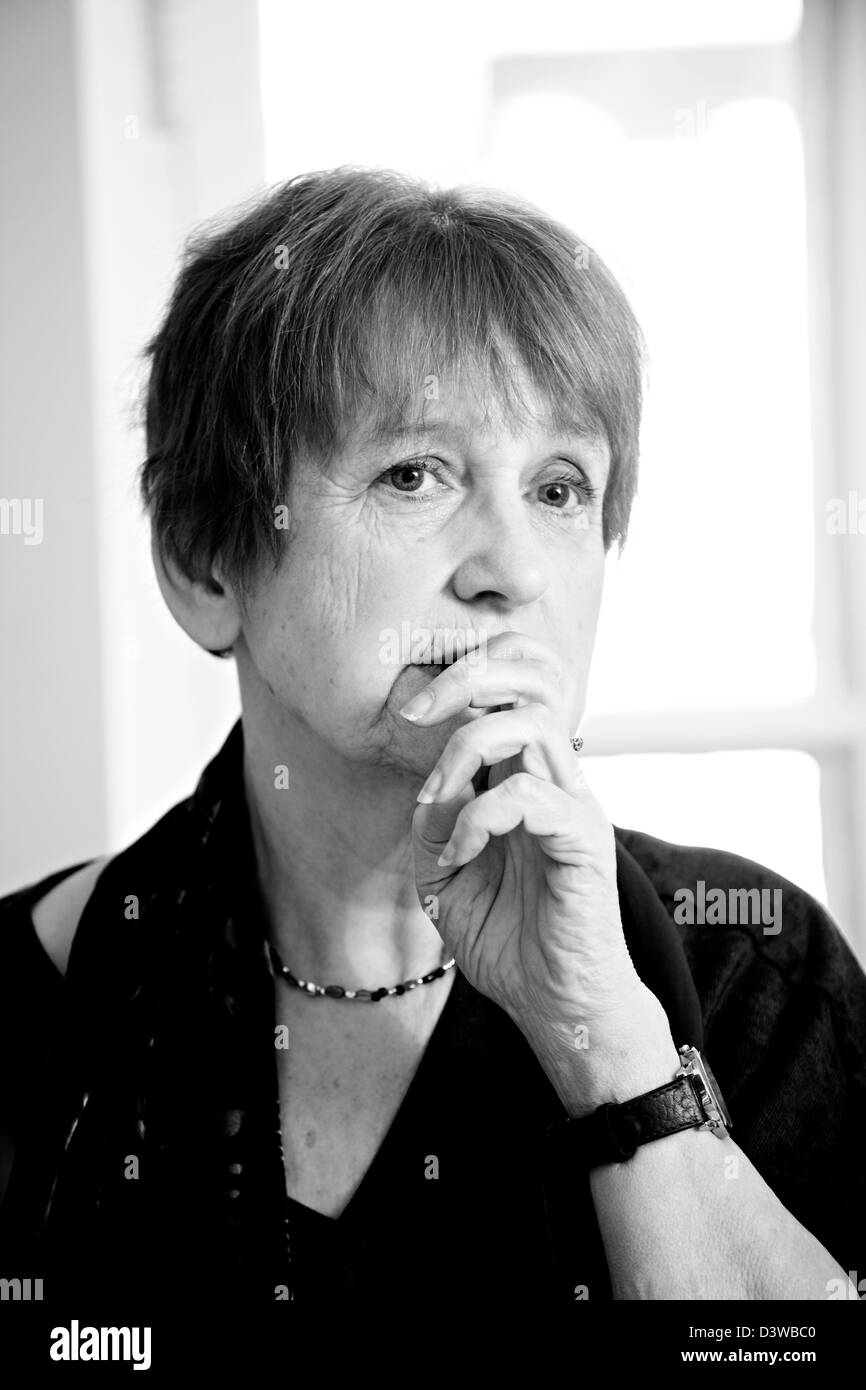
698,1068
715,1093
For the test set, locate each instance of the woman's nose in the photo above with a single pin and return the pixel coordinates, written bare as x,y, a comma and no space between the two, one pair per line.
503,553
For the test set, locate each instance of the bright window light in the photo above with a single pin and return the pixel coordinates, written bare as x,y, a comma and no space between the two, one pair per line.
765,806
698,207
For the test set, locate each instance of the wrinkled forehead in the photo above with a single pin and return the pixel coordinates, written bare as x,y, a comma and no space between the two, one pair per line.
465,402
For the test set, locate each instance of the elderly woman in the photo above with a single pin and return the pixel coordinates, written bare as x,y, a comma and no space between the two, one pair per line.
388,1007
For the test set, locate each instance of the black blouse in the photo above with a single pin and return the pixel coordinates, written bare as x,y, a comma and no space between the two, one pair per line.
140,1090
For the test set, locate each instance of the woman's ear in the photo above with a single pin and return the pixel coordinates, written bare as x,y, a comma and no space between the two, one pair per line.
207,610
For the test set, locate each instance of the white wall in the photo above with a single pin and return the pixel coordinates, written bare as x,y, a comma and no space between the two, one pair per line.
52,707
124,123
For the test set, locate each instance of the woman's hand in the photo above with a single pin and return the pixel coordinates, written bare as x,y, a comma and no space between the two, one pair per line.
529,904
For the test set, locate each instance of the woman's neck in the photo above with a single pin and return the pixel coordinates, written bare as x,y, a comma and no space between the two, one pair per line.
333,847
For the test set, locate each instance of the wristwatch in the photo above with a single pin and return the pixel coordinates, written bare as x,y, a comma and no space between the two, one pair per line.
612,1133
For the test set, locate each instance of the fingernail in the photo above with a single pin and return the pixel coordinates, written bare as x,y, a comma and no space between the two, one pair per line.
419,705
431,787
448,855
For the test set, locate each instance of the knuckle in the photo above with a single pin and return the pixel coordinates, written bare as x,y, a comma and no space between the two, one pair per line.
460,673
578,777
558,675
463,741
540,716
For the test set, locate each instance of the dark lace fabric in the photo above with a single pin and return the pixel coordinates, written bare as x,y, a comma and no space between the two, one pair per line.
140,1091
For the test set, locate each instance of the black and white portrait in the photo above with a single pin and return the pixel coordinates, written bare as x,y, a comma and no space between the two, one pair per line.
433,737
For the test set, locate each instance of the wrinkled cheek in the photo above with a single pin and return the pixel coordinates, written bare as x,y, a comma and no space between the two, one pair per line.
336,590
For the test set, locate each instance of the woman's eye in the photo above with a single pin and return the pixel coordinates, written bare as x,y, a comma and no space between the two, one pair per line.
411,473
582,487
406,479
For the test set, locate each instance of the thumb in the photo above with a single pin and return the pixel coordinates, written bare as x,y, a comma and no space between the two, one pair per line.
432,825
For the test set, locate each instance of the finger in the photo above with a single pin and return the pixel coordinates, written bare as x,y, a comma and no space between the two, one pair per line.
432,828
530,730
514,646
482,685
510,645
546,812
519,646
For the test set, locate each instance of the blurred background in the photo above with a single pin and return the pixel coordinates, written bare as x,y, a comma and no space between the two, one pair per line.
713,153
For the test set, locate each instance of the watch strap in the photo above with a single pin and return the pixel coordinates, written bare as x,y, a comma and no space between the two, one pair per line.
613,1132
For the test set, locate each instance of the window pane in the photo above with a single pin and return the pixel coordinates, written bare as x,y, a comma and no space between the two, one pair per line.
583,25
703,219
763,805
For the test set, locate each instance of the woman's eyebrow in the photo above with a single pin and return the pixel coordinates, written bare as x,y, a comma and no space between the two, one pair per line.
386,434
573,427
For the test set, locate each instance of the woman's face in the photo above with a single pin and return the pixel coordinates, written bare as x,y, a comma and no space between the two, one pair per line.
494,533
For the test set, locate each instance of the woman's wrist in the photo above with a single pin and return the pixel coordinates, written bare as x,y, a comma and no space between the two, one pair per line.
608,1059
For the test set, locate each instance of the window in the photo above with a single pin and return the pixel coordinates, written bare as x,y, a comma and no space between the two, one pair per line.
687,143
